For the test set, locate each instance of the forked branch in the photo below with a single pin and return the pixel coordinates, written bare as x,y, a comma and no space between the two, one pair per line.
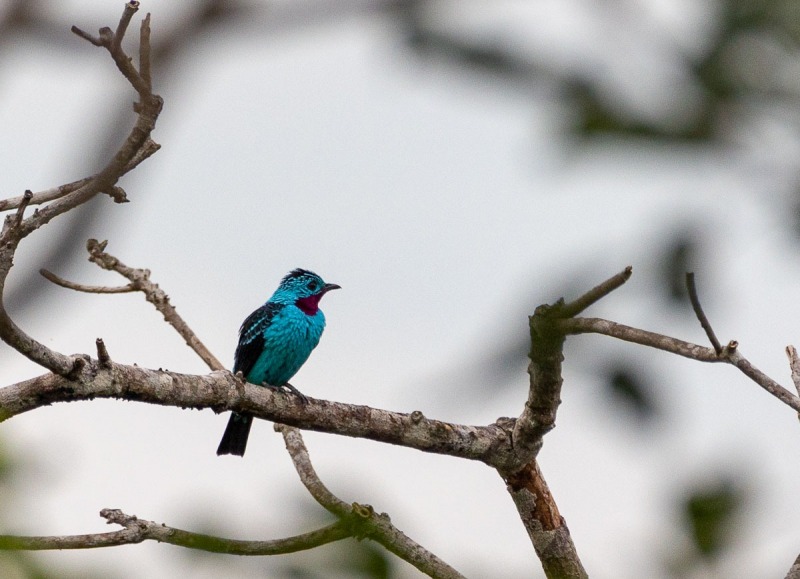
362,519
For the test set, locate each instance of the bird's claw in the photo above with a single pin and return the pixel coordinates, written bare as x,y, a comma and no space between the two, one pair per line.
291,390
300,396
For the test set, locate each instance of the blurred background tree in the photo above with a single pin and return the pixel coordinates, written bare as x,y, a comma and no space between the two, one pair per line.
677,79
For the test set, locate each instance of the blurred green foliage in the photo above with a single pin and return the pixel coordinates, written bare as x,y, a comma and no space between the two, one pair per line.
709,512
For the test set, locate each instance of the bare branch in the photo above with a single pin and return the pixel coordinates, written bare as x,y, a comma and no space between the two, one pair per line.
86,36
44,196
637,336
91,289
137,530
15,230
296,448
544,392
222,391
122,27
794,364
115,192
794,572
102,354
362,518
26,199
595,294
735,357
701,316
144,53
140,281
546,527
730,354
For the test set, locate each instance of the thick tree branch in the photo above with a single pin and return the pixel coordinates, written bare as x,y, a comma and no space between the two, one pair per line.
794,571
364,521
545,526
546,354
137,530
222,391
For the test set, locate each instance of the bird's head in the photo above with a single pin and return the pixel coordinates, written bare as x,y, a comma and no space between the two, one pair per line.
304,289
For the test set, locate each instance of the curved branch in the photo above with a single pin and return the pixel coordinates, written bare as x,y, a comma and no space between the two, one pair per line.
362,518
137,530
296,448
89,289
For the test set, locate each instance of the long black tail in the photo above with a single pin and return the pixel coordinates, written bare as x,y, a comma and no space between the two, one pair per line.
234,441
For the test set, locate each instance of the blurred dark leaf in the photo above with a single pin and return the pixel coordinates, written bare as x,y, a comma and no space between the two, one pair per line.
350,558
596,115
710,511
679,257
629,386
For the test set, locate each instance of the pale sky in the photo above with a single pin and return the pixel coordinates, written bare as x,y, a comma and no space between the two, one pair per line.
447,208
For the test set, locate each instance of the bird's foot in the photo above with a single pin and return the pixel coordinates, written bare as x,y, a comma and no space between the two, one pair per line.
302,397
291,390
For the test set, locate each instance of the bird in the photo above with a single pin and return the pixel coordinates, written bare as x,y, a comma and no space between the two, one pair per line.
274,342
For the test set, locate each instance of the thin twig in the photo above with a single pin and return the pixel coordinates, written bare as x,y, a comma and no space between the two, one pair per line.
12,233
698,310
102,354
26,199
144,52
127,14
137,530
794,364
86,36
735,357
598,292
115,192
140,281
308,476
90,289
730,354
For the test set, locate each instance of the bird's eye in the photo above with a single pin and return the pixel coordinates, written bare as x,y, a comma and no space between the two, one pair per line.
312,285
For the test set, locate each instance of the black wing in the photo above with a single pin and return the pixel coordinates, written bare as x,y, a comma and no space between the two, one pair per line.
251,337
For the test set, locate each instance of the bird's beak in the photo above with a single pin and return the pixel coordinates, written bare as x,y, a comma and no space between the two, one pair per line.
330,286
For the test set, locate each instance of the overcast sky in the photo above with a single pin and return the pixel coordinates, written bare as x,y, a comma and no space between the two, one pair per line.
447,207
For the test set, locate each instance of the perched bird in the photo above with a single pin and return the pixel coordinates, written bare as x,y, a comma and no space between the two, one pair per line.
274,341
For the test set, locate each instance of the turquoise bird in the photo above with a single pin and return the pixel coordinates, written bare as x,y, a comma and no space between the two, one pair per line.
274,342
